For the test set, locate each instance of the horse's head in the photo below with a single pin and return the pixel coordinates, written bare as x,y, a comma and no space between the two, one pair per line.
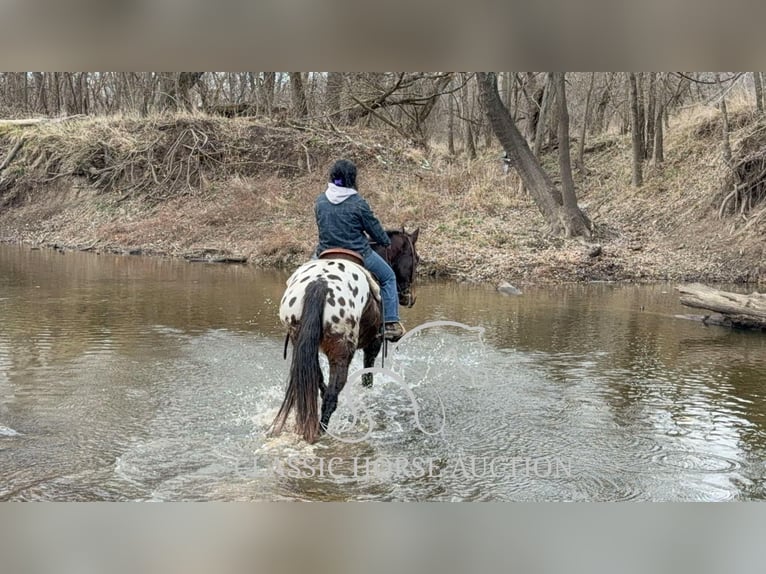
404,259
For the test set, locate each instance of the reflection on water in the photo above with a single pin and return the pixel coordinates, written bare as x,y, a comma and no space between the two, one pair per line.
149,379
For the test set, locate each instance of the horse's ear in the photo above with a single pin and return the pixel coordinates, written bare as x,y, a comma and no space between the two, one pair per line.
414,236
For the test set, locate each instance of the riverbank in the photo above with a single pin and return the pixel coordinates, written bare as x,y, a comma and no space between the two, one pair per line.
237,189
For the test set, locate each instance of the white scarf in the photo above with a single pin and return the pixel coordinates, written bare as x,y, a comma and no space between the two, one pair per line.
336,194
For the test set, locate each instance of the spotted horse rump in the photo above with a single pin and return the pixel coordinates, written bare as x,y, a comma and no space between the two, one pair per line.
349,289
330,306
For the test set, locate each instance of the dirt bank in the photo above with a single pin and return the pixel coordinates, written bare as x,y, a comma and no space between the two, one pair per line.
202,187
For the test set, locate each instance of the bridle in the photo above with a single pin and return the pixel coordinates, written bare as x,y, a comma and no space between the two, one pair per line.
410,290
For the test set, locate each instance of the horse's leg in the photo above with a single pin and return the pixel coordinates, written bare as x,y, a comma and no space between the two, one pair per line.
370,354
338,376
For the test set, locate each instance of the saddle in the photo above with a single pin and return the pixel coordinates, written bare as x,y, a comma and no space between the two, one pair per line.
345,254
356,258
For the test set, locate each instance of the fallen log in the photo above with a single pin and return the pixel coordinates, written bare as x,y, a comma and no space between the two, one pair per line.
24,123
37,121
728,309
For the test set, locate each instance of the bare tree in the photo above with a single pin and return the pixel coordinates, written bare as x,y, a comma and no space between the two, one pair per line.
575,220
266,92
542,118
334,92
604,99
470,147
659,146
534,94
186,81
651,106
580,162
565,165
635,123
300,106
758,91
561,219
451,125
403,101
726,144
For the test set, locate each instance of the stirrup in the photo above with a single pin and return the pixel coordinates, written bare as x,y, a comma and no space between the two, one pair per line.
393,331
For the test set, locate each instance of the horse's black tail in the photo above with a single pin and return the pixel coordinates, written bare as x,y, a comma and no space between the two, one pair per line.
305,373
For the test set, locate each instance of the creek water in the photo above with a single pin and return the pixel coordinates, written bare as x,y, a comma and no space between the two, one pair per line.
130,378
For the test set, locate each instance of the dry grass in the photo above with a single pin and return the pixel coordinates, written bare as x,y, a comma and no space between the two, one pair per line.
252,188
160,158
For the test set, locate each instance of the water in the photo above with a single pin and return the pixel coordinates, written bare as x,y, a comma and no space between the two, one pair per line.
127,378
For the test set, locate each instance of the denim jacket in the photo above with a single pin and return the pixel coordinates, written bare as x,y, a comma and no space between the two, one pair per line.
343,224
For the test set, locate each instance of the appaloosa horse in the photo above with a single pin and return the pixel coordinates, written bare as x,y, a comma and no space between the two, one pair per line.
333,305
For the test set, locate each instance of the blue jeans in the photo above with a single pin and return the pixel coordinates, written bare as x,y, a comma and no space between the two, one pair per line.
376,265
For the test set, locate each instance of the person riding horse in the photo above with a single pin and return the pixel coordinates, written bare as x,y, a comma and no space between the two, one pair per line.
343,217
332,304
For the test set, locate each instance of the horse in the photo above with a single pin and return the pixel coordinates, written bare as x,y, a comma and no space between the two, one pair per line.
333,305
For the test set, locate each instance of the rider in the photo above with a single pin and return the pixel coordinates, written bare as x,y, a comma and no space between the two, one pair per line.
342,217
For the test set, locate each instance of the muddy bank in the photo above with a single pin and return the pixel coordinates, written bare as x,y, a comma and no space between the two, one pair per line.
239,191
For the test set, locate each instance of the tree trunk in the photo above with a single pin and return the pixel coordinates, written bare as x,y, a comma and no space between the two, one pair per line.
581,144
651,107
300,107
542,118
659,145
506,76
168,99
515,96
424,110
758,91
726,144
470,147
641,112
451,125
186,81
578,223
147,92
534,101
57,92
638,153
266,92
536,180
600,114
334,92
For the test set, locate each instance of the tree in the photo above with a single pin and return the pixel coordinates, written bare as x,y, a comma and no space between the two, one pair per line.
635,125
580,162
565,164
186,81
334,92
659,147
542,118
651,108
466,113
758,91
300,106
451,125
403,101
266,92
726,144
562,219
604,99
